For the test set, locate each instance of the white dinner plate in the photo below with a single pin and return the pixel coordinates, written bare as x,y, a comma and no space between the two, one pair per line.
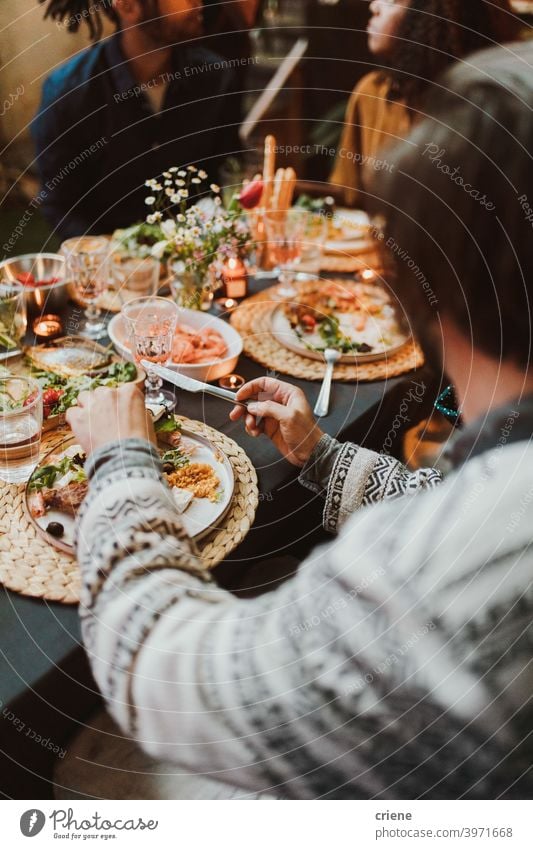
199,519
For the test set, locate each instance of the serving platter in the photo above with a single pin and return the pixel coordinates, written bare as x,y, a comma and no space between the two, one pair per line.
72,357
206,371
199,519
382,331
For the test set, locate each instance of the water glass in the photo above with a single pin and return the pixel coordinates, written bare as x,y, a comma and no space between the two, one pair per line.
21,420
134,276
87,269
13,319
151,324
314,239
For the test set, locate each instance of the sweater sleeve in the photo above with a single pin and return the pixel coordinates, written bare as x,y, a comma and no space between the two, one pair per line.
350,477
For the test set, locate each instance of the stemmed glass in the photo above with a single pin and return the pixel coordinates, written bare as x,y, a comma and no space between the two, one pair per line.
151,324
285,233
87,269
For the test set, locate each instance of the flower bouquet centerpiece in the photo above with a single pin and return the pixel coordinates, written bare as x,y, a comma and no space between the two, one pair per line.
197,236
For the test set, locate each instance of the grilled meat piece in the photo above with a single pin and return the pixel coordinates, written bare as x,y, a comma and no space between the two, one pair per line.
67,498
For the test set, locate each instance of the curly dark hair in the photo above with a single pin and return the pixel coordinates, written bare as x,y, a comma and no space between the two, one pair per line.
434,33
75,12
458,203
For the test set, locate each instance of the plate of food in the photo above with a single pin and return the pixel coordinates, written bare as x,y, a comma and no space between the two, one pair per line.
359,319
71,365
198,474
348,230
205,347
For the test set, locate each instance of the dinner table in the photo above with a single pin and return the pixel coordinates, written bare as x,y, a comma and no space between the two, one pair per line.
46,688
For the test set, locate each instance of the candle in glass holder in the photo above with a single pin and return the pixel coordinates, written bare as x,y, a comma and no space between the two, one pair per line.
231,381
47,326
226,304
234,277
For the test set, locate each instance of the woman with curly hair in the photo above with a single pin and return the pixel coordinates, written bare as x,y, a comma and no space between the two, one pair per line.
414,40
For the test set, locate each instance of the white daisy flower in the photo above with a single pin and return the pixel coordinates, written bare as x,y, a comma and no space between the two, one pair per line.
192,168
182,173
195,180
202,175
217,201
149,201
175,198
169,192
173,169
183,193
167,174
168,227
214,188
180,182
181,217
159,249
168,182
150,219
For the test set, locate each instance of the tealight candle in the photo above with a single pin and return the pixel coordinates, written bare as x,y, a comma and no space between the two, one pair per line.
231,381
47,326
226,304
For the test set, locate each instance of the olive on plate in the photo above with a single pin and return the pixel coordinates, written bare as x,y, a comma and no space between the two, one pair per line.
55,529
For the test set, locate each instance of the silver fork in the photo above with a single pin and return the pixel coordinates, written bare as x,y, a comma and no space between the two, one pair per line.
331,357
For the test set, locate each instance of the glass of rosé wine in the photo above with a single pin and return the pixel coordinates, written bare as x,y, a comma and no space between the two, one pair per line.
151,324
285,234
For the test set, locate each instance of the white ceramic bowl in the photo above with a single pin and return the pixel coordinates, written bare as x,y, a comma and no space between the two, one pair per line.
206,372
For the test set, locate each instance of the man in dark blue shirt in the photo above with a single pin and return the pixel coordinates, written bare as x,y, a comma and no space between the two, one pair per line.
128,108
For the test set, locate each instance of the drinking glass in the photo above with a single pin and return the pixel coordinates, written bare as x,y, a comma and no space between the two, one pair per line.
314,239
87,268
285,231
134,276
151,324
21,421
13,319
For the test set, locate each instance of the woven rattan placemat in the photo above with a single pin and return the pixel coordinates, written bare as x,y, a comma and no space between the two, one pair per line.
252,319
30,566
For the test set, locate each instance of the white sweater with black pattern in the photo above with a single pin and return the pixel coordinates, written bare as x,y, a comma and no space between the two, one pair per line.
395,664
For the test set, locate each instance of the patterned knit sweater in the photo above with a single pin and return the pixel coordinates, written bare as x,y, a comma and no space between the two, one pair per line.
396,664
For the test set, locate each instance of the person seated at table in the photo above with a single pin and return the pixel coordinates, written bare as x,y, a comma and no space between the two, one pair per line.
414,41
127,108
397,662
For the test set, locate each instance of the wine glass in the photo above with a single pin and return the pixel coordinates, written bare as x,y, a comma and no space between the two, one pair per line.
151,324
87,269
285,233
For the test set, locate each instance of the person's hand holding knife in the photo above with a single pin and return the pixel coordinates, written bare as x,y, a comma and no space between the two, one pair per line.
280,411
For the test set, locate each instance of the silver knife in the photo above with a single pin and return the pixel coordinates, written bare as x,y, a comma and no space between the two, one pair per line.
189,384
6,355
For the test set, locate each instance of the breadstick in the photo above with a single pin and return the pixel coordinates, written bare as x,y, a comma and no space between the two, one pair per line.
289,184
275,202
292,180
269,166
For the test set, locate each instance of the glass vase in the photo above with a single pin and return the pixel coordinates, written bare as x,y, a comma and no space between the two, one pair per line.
192,289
